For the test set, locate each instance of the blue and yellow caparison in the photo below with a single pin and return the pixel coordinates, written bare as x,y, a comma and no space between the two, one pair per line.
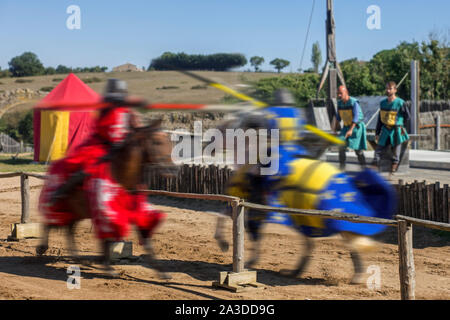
305,183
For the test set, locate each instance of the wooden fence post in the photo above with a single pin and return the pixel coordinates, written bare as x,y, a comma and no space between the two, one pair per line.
240,279
238,237
406,260
436,212
446,202
25,195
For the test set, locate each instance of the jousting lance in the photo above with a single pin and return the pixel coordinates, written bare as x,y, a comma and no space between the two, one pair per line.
141,103
324,135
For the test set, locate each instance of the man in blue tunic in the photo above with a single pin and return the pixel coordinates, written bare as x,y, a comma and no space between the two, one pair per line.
354,131
390,131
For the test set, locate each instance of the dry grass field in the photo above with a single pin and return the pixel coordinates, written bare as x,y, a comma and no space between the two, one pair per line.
155,86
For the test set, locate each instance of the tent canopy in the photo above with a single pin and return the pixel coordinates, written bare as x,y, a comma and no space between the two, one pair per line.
70,92
56,131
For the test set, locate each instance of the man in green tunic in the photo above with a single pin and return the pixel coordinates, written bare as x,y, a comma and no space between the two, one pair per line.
390,131
354,130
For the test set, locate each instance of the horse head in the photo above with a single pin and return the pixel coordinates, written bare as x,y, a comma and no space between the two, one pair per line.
156,149
145,147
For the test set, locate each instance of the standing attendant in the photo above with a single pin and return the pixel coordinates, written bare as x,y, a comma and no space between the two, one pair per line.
354,130
390,131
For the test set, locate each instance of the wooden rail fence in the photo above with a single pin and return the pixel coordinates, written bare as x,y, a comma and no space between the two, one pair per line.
210,179
403,223
417,199
424,201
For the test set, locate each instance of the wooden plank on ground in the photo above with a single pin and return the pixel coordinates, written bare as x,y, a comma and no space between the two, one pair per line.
25,230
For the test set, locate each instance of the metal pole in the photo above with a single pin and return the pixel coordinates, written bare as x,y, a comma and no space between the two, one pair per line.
438,132
414,100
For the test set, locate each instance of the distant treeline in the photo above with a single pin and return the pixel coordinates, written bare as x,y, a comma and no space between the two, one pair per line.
210,62
63,69
28,64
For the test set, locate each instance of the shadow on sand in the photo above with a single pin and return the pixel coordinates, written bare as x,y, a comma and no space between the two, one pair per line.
422,237
55,268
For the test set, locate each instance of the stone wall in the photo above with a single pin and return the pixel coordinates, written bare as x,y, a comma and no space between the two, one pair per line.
429,110
12,98
429,118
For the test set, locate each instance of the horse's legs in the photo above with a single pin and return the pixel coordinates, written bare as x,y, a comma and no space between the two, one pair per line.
304,260
223,244
145,240
256,253
254,224
106,246
357,244
151,260
71,240
43,246
358,267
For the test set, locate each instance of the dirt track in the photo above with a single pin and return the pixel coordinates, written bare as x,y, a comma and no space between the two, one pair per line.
186,248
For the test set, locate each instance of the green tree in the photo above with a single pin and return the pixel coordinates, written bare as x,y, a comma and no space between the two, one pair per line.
256,61
214,62
25,128
9,124
63,69
4,73
279,64
98,69
392,65
50,70
434,69
358,77
316,56
303,86
27,64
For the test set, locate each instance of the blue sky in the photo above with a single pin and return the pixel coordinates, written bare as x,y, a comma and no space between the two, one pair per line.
115,32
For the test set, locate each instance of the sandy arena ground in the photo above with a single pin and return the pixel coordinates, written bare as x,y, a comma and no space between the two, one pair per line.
186,248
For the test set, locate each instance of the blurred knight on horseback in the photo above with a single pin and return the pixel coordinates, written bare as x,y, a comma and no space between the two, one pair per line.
303,182
111,127
113,205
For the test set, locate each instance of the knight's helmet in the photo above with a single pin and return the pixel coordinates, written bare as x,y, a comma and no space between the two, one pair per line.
116,91
283,97
284,116
113,121
254,119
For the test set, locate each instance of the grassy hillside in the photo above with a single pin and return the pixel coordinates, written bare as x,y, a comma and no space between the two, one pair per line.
155,86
